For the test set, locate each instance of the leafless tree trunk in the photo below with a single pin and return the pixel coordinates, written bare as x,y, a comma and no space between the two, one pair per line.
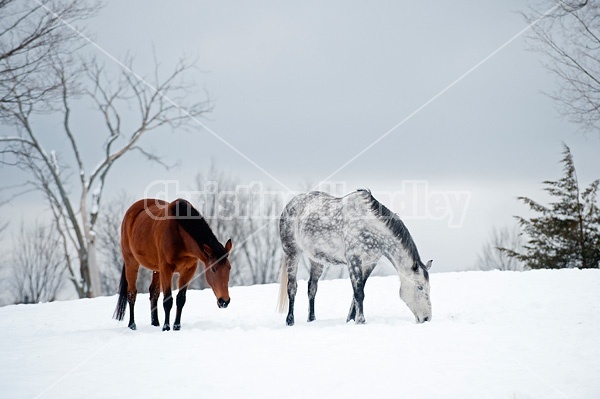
569,36
37,266
492,257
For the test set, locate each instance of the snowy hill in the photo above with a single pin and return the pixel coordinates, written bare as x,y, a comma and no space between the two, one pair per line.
493,335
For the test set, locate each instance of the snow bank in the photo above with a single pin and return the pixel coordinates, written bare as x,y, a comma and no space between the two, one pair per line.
493,335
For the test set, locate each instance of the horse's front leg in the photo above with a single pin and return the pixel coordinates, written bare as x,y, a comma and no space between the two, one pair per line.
316,270
356,276
365,275
180,302
184,280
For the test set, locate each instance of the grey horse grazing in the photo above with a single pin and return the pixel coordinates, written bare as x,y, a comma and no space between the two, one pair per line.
355,230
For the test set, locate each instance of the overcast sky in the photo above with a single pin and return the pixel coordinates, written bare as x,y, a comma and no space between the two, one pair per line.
302,88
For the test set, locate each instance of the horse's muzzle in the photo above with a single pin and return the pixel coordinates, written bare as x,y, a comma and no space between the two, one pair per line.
221,303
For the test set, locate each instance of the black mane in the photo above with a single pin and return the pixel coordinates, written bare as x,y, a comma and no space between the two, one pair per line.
195,225
395,225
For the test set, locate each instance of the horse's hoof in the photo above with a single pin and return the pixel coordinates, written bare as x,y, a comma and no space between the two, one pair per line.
311,318
156,324
132,326
166,327
176,327
289,320
360,320
351,315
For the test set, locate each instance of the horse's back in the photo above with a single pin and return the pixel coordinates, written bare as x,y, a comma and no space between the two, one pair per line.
303,201
313,222
317,206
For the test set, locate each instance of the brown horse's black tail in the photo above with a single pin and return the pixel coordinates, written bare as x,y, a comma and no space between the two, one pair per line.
122,302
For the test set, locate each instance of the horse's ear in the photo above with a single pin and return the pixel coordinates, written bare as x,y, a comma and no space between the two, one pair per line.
207,250
428,265
228,245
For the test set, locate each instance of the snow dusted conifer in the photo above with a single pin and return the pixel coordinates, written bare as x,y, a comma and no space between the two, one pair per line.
566,233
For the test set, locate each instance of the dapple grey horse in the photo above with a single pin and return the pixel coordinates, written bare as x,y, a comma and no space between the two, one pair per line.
355,230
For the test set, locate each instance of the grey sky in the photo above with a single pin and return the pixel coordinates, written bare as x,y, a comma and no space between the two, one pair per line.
302,87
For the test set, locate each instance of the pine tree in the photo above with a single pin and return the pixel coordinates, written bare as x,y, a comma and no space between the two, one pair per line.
566,233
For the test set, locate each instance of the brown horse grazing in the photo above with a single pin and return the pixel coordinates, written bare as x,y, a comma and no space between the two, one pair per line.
169,238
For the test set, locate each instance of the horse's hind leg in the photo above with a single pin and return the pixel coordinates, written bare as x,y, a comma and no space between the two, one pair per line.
131,272
316,270
291,262
154,293
166,276
366,273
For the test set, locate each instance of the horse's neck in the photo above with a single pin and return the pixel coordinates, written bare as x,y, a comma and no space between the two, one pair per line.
398,255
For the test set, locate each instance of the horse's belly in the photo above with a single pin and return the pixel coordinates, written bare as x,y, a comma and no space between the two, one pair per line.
330,250
149,262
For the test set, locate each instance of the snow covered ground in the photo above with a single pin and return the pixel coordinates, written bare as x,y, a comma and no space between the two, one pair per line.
493,335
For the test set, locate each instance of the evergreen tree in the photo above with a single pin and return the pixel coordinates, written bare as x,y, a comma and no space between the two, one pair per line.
566,233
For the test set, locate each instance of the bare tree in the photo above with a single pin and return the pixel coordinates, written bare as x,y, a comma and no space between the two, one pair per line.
110,259
211,188
568,34
75,198
37,265
249,215
261,250
493,257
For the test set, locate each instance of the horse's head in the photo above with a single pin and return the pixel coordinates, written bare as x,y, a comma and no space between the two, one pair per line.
414,291
217,273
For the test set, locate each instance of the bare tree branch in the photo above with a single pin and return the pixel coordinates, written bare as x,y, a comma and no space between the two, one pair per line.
569,38
31,40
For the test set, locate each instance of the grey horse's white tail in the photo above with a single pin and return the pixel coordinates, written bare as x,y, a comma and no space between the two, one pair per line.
282,303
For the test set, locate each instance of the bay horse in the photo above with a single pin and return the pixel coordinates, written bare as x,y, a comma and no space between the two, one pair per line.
169,238
355,230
